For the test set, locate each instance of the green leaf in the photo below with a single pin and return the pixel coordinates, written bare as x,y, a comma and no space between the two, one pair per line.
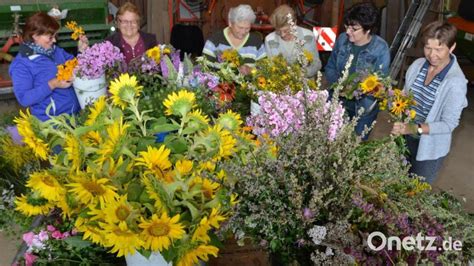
77,242
145,253
134,191
178,145
194,211
164,128
144,142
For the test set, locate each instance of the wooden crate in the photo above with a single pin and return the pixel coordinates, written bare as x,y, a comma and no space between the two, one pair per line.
235,255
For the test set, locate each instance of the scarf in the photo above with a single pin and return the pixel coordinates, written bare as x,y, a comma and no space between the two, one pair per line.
37,49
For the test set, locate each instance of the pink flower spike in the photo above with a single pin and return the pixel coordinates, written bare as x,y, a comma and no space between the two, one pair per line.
30,259
51,228
66,235
28,238
57,235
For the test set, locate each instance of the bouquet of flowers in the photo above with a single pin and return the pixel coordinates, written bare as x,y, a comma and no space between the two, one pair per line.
95,61
127,190
66,70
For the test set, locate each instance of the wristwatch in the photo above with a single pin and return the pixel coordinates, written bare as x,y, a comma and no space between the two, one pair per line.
419,130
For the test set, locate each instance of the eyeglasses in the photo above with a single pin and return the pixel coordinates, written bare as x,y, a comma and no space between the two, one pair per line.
128,22
351,28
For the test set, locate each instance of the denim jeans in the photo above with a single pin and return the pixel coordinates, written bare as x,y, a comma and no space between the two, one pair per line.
428,169
368,116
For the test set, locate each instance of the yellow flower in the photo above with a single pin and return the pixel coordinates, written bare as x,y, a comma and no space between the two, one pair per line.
66,70
197,120
151,191
122,240
215,218
25,129
74,151
77,30
193,256
156,161
369,83
154,53
46,184
184,167
95,110
398,106
200,234
207,166
93,233
309,56
221,141
93,190
124,89
31,206
261,82
179,103
229,120
383,104
117,210
92,138
208,187
166,50
231,56
233,199
15,155
115,134
158,233
412,114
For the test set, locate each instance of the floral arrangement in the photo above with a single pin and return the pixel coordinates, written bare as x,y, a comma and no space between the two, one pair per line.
276,75
231,57
66,70
77,31
286,113
124,191
97,59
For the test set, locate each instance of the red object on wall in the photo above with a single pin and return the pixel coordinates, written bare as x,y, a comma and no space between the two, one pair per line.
325,37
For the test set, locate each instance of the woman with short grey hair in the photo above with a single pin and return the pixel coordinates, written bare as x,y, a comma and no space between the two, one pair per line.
237,36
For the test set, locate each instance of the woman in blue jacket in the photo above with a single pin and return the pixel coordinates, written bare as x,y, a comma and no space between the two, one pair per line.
371,53
34,69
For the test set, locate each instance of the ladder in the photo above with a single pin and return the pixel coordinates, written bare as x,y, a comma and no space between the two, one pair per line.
407,33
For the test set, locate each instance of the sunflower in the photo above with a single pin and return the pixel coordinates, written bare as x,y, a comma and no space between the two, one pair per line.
184,167
124,89
74,151
47,185
156,161
229,120
15,155
220,141
122,240
95,110
92,190
197,120
154,53
25,126
92,138
180,103
208,188
158,233
31,205
398,106
369,84
193,256
116,133
215,218
200,234
118,210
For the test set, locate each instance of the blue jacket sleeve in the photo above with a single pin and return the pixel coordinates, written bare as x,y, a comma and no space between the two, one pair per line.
23,86
330,70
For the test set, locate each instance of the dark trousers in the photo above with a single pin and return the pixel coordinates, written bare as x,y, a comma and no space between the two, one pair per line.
428,169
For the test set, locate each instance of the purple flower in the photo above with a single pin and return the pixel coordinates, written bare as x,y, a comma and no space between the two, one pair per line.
51,228
94,61
13,131
28,238
307,213
164,69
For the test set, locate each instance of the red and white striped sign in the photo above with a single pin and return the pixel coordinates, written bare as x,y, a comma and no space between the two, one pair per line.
325,37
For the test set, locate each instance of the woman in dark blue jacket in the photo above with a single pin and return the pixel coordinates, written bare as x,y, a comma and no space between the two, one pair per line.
371,53
34,69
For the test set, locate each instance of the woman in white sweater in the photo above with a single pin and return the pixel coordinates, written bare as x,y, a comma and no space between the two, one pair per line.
283,42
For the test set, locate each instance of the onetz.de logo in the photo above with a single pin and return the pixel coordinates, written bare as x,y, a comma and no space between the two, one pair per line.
378,241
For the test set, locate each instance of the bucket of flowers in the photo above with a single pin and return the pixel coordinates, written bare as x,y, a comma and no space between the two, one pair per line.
90,72
127,192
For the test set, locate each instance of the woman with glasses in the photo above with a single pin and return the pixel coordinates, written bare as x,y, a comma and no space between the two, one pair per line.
371,54
439,88
237,36
33,71
283,41
131,41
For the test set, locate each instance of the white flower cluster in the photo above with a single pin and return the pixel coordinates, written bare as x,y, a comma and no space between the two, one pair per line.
318,234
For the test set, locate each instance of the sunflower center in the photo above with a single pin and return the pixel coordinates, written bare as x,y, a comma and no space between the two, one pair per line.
48,181
94,188
122,213
159,229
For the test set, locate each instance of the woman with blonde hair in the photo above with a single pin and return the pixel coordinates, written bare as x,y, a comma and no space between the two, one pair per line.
283,41
131,41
